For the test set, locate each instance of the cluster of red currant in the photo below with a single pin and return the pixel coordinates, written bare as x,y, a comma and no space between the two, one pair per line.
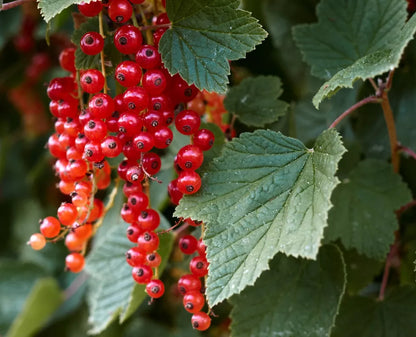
134,125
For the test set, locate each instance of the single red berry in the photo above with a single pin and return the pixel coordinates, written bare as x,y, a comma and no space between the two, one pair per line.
190,157
187,122
37,241
75,262
199,266
155,288
183,91
67,59
153,120
128,74
151,162
148,241
93,152
193,301
174,194
142,274
148,219
129,188
148,57
127,214
138,201
153,259
134,174
189,283
163,137
161,103
136,99
154,81
101,106
67,213
135,257
111,147
128,39
95,130
133,233
120,11
188,244
50,227
204,139
83,232
92,43
90,9
189,182
144,141
92,81
201,321
61,88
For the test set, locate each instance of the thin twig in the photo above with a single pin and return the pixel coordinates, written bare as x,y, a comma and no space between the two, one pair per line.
405,149
101,27
75,285
13,4
370,99
373,83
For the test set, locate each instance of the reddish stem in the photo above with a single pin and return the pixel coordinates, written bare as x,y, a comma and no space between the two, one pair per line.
386,273
371,99
13,4
405,149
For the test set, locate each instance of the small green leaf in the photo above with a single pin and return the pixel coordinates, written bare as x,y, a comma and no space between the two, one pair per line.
353,40
265,194
112,291
204,35
363,214
283,299
50,8
255,100
367,317
43,300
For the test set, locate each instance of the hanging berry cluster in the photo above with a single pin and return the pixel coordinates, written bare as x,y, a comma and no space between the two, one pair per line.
92,125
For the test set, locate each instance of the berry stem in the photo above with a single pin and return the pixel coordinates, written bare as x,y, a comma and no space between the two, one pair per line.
110,203
75,285
134,19
392,254
77,78
91,201
149,36
12,4
391,128
101,28
405,149
370,99
373,84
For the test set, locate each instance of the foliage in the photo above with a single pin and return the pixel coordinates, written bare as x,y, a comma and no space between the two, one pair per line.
308,223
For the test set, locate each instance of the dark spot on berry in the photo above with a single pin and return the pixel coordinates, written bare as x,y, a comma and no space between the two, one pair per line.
115,114
155,164
98,102
168,141
155,289
112,145
122,129
147,236
121,77
188,164
80,136
133,201
130,232
186,128
140,272
88,153
195,325
91,124
99,164
128,255
119,18
122,40
69,119
134,177
131,105
151,257
157,82
157,106
189,306
88,79
149,52
199,265
169,120
189,188
188,92
154,123
140,145
89,40
144,214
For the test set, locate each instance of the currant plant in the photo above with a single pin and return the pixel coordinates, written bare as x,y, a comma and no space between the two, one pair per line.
196,190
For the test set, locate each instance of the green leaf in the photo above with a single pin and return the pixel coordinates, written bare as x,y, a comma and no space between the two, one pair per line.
50,8
16,282
363,214
283,299
353,40
265,194
367,317
204,36
255,100
113,292
43,300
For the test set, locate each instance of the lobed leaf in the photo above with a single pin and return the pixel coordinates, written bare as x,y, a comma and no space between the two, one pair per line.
265,194
363,214
255,100
353,40
50,8
204,36
296,297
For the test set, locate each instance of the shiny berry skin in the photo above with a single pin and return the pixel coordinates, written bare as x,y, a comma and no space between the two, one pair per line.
92,81
161,103
138,202
201,321
67,59
163,137
199,266
142,274
188,244
190,157
135,257
128,74
204,139
128,39
101,106
37,241
75,262
189,182
90,9
187,122
153,120
67,214
133,233
134,174
157,35
92,43
174,194
129,188
189,283
93,152
95,130
83,232
127,214
120,11
154,81
193,301
50,227
136,99
61,88
144,141
148,241
155,288
111,147
148,57
153,259
151,163
148,219
182,91
129,123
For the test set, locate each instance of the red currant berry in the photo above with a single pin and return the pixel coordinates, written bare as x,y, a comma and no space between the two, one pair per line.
148,219
111,147
187,122
92,81
120,11
75,262
144,141
128,39
101,106
83,232
148,57
133,233
189,182
188,244
93,152
148,241
142,274
161,103
154,81
134,174
138,202
204,139
163,137
50,227
136,99
67,59
128,74
182,91
37,241
190,157
67,214
174,194
135,257
201,321
129,188
153,260
189,283
90,9
92,43
155,288
95,130
193,301
151,162
199,266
